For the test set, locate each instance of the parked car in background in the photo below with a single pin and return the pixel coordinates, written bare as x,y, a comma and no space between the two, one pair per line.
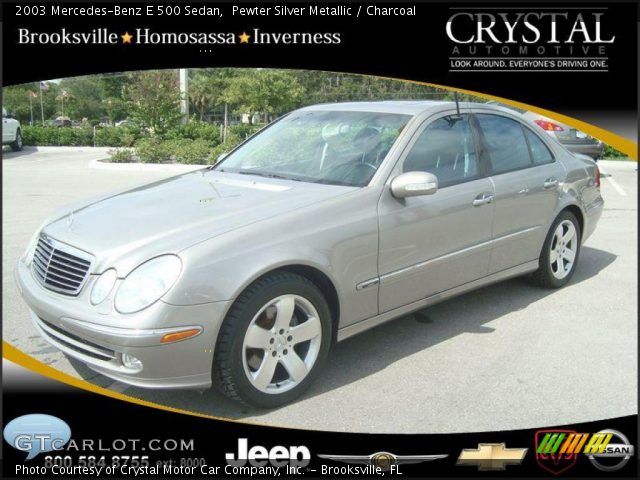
60,122
125,123
11,131
328,222
574,140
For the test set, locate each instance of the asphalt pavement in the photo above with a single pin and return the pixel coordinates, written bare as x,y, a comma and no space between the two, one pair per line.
507,356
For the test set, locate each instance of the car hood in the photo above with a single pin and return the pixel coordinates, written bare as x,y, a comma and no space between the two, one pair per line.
176,213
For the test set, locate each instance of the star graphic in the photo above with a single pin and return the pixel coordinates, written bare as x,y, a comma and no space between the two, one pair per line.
126,38
244,38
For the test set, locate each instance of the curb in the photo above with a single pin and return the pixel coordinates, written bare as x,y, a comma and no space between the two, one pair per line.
143,167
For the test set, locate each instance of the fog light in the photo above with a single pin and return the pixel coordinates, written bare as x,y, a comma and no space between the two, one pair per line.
131,362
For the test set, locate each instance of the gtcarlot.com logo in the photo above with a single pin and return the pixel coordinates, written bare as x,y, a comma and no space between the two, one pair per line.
36,433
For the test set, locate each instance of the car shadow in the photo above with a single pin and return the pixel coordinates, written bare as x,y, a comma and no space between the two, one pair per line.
9,154
376,349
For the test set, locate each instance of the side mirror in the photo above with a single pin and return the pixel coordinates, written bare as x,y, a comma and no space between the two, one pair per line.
222,156
414,184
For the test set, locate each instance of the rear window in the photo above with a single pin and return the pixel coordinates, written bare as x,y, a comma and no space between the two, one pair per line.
540,153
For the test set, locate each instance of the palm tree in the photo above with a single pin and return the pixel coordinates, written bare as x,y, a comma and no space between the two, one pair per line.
64,95
200,95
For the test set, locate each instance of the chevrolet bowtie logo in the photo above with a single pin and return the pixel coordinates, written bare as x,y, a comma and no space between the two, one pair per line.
491,456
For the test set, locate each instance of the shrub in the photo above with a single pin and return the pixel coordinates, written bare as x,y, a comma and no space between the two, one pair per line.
117,136
34,135
189,151
233,140
194,143
152,150
121,155
57,136
196,130
182,150
242,130
216,152
610,152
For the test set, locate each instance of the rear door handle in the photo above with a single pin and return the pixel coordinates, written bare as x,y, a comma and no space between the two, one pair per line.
550,182
524,191
482,199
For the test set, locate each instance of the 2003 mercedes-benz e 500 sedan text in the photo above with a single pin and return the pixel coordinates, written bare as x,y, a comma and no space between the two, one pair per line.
330,221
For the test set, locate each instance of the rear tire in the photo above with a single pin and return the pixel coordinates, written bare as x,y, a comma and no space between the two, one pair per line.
16,145
560,252
263,358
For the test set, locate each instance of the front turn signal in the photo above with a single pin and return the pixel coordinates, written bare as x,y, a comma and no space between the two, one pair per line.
181,335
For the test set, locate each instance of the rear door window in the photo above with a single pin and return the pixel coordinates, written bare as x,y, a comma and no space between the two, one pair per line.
506,143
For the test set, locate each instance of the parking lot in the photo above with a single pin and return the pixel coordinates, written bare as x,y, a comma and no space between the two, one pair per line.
508,356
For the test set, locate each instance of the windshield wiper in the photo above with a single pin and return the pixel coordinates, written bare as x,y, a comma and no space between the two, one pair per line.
267,175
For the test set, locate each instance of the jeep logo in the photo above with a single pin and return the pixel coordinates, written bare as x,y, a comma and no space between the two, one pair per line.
259,456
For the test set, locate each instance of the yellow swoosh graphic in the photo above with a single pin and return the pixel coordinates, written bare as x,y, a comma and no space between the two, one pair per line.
16,356
618,142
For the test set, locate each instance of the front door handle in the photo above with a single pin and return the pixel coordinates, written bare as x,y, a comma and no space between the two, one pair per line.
550,182
482,199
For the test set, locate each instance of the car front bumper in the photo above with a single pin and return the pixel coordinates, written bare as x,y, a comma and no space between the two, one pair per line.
100,339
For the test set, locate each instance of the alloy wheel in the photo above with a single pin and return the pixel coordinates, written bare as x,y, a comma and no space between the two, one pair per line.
564,248
282,344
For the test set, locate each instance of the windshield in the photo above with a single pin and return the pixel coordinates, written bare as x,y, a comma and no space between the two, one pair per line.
333,147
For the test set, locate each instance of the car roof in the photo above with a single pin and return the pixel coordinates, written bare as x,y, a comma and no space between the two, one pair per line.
407,107
410,107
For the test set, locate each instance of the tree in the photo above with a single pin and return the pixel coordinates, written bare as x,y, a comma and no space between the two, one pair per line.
200,95
154,99
115,108
207,88
84,97
16,99
114,84
268,92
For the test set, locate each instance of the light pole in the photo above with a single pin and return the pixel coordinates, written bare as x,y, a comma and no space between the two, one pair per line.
184,95
31,95
41,103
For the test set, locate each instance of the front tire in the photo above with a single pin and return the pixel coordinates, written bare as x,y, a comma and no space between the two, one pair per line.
560,252
273,342
16,146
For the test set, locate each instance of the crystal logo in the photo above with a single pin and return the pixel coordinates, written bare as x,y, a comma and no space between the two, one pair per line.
526,27
37,433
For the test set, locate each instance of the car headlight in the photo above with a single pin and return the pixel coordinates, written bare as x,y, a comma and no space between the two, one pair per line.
147,283
103,286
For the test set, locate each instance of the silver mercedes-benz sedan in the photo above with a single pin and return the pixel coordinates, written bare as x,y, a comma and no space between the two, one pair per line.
332,220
